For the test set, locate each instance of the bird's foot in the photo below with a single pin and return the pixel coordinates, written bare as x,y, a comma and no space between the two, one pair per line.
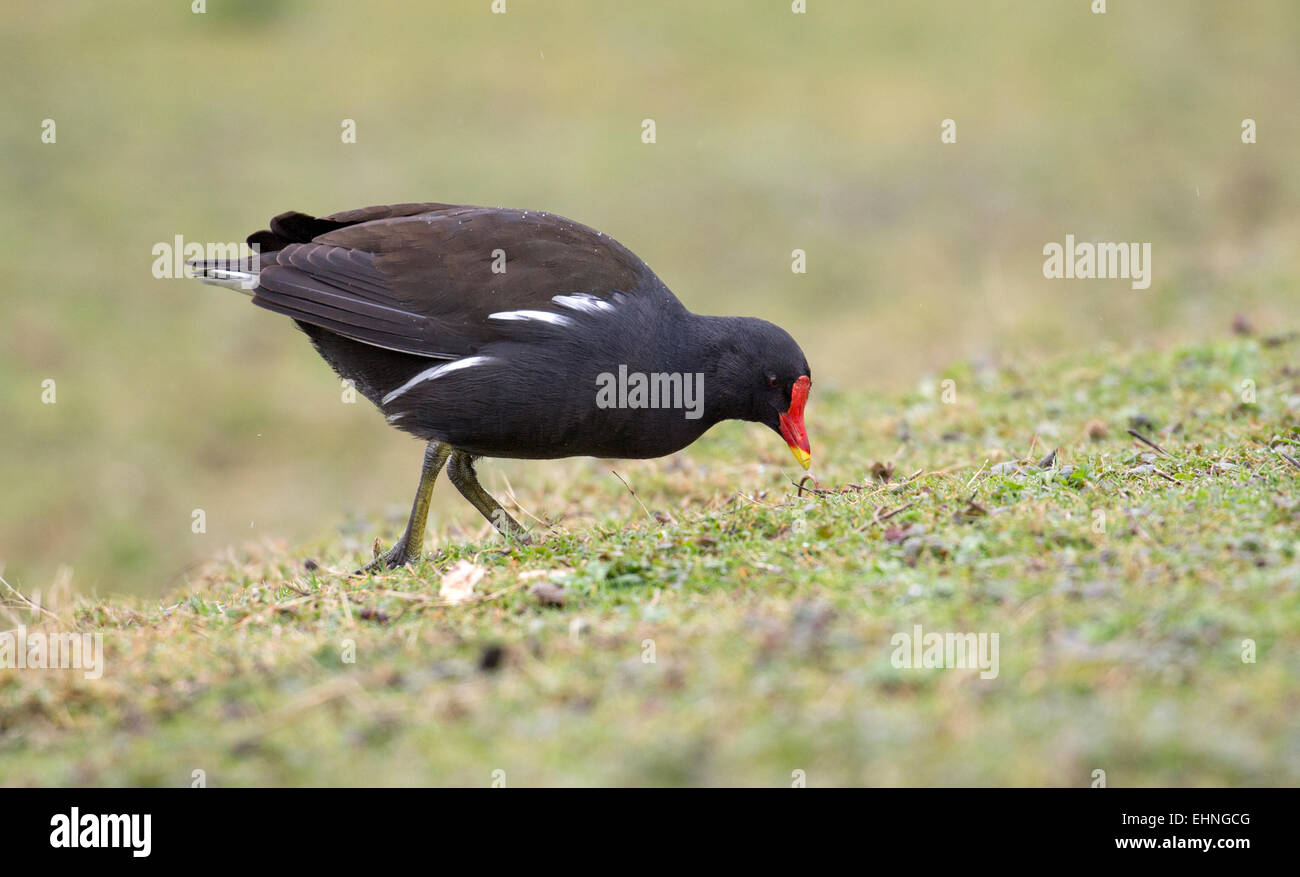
510,529
393,558
513,534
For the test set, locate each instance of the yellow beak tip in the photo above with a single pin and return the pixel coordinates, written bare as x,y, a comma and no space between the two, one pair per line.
804,458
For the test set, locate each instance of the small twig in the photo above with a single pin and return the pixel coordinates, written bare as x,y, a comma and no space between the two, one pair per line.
1165,476
1285,456
634,496
972,509
1146,441
898,510
878,518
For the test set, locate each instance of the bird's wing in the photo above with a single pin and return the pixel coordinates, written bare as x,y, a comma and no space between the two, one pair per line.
443,281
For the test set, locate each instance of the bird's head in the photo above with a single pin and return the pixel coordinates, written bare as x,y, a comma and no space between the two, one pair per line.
777,373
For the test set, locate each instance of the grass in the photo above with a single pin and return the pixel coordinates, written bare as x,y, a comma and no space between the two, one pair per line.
1122,582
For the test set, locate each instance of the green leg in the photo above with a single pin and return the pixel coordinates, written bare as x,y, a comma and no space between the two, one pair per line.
460,469
408,548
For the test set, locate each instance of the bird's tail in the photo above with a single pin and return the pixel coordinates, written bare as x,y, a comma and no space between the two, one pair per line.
238,274
288,228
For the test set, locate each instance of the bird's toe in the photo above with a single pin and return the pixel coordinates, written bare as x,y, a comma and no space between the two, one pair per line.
395,557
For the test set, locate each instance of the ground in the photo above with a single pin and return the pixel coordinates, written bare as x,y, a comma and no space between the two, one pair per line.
723,628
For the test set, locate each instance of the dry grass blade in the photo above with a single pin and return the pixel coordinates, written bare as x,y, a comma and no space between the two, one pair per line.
977,473
34,607
878,518
634,496
510,493
1146,441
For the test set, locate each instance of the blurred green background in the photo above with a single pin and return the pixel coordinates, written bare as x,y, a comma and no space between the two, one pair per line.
775,131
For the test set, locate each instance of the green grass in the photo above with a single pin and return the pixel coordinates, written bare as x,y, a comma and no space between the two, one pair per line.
770,614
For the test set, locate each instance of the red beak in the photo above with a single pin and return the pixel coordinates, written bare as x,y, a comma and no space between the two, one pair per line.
792,428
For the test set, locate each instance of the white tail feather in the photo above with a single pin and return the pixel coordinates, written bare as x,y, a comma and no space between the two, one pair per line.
230,275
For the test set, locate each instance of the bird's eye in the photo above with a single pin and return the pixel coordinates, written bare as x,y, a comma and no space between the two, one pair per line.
771,381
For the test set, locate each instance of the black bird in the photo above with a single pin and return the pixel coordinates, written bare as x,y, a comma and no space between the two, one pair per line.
490,332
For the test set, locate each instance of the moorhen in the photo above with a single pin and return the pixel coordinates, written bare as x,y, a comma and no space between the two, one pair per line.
490,332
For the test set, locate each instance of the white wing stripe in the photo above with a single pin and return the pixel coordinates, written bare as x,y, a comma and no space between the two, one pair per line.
438,371
582,301
543,316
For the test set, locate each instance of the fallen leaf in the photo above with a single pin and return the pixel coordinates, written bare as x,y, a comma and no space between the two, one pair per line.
458,583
